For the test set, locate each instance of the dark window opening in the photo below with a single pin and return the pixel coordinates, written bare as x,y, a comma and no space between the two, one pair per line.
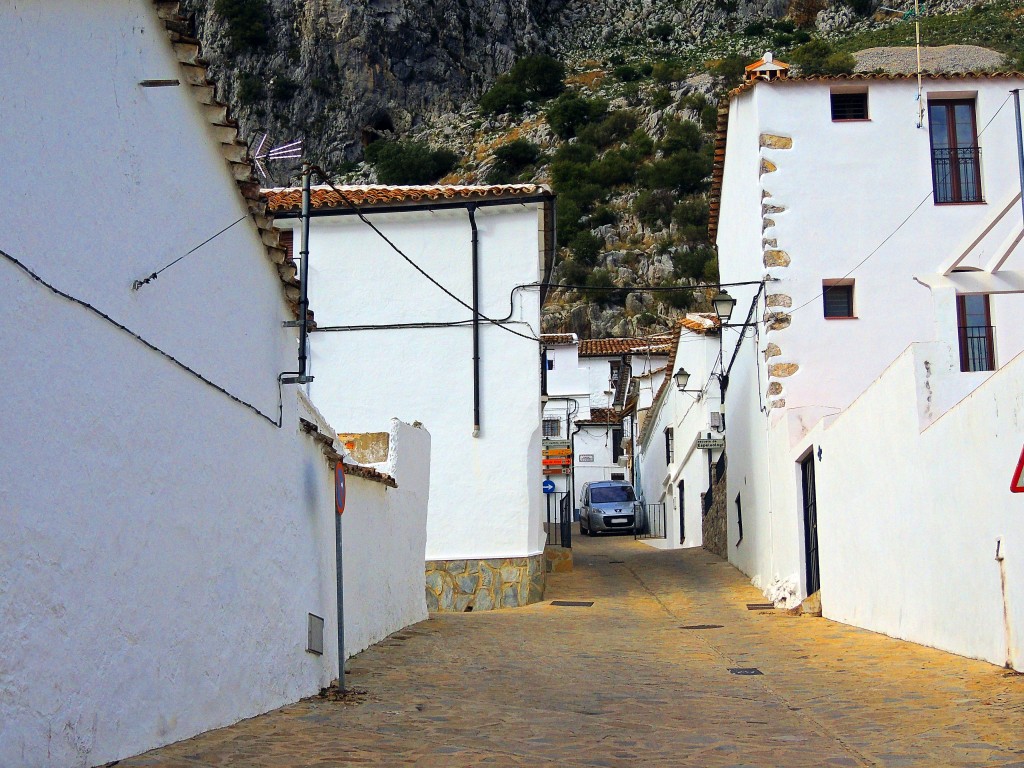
850,106
739,519
552,427
977,336
609,494
551,364
669,447
838,300
616,444
956,157
618,476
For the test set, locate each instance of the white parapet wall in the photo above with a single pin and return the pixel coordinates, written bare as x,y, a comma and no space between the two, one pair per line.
384,539
914,505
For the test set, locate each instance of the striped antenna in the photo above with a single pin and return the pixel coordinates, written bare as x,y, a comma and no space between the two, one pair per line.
261,156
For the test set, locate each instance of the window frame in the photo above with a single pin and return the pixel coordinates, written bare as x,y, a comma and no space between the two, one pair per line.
845,285
842,93
963,341
949,103
544,427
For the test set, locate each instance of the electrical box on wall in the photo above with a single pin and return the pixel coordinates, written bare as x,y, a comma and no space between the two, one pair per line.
315,635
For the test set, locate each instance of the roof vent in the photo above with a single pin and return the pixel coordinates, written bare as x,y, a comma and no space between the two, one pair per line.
766,68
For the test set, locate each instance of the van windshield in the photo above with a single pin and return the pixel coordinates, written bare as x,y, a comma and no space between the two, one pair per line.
611,493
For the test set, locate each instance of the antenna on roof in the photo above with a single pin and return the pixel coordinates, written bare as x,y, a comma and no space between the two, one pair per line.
916,13
261,156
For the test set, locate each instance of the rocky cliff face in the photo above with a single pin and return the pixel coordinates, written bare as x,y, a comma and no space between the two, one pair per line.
366,67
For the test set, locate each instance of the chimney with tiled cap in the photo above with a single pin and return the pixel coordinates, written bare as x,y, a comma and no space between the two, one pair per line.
766,68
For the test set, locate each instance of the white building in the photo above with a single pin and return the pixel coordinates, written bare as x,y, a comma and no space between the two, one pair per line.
167,505
882,241
671,468
420,355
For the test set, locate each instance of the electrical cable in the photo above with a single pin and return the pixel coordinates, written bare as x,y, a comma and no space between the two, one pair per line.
413,264
901,224
145,281
99,313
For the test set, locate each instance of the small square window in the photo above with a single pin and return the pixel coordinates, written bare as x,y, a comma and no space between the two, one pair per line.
850,106
551,364
838,298
552,427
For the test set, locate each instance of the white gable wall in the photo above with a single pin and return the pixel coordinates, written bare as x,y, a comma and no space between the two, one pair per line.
163,544
483,493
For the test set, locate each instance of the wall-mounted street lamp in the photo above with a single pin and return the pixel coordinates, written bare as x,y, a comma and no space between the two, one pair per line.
723,304
682,377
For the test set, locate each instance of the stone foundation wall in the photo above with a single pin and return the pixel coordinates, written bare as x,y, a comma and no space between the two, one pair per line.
715,526
481,585
558,559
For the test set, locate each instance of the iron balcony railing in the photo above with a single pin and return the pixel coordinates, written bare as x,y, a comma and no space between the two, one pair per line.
652,523
558,522
956,174
977,348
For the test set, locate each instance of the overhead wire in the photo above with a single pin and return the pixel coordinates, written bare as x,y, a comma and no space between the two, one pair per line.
900,226
146,280
120,326
362,217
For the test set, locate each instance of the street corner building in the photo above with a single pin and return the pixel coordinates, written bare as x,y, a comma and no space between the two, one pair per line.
874,402
428,308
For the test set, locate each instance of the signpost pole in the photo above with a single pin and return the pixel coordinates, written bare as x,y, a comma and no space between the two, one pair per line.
339,508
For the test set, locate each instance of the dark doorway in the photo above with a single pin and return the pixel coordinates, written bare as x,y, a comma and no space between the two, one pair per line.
810,523
682,514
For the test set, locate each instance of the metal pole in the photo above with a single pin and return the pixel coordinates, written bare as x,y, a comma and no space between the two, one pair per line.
476,321
1020,145
304,273
341,603
920,89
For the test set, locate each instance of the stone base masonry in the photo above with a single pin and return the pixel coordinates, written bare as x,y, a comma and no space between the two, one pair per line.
482,585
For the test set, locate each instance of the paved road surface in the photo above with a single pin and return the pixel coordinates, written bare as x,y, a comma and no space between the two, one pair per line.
626,683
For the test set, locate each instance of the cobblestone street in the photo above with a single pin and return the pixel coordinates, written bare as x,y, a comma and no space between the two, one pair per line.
632,680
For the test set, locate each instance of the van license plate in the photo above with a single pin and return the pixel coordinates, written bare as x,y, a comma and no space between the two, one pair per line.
617,520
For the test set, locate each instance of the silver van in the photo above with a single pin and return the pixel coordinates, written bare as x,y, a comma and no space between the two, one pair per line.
609,505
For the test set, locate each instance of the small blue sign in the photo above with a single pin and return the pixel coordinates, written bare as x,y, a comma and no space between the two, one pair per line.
549,486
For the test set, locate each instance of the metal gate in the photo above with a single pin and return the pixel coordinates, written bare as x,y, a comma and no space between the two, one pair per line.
810,524
558,520
653,523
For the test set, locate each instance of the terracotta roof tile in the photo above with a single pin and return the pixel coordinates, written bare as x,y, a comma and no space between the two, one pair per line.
325,198
655,345
601,417
558,338
718,167
195,76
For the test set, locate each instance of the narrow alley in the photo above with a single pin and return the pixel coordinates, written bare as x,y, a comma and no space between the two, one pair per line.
644,676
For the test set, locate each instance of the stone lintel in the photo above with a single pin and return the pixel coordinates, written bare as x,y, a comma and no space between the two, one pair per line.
771,141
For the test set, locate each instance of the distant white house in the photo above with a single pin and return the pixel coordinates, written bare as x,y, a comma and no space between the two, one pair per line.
886,225
671,467
390,342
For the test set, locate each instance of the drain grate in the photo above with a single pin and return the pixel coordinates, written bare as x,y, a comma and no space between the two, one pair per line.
745,670
616,562
573,603
701,626
760,606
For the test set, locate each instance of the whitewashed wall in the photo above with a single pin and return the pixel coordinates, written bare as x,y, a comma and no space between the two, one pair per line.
878,171
162,544
908,528
565,377
595,441
384,537
688,417
483,491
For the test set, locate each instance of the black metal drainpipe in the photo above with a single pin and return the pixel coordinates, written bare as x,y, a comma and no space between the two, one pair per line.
471,209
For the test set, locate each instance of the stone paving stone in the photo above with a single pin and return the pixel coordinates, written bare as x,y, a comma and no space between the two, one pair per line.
622,684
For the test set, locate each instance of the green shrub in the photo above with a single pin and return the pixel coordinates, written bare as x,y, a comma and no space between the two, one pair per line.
638,146
667,71
691,216
603,215
755,29
819,58
283,88
613,170
532,78
251,89
598,282
409,162
248,23
681,135
654,207
684,171
510,160
572,272
691,263
586,248
682,299
728,72
661,98
662,31
569,112
615,127
709,118
694,101
627,73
